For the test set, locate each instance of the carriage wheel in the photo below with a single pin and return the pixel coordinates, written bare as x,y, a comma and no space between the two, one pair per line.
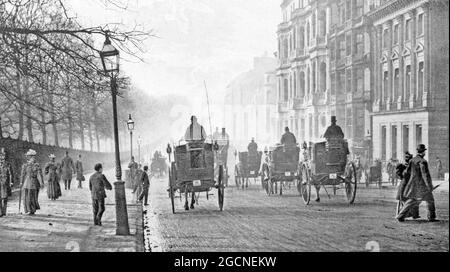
304,187
351,184
221,189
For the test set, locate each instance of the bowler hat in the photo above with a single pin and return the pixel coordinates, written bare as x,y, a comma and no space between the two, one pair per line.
421,148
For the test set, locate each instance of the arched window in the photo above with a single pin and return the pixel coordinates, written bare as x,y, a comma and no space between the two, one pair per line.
313,22
420,80
314,72
307,34
302,84
301,36
323,77
308,79
286,89
322,23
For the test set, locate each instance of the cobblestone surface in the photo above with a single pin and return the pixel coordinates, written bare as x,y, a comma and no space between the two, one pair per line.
67,225
252,221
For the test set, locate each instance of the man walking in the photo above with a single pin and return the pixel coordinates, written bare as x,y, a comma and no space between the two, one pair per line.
419,188
133,166
97,184
67,168
79,170
6,182
145,181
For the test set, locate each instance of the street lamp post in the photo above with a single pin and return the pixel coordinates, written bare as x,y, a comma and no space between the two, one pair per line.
110,61
130,125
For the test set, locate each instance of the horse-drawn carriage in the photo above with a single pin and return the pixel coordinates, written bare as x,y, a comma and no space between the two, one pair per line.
192,172
375,174
247,168
159,166
326,164
282,169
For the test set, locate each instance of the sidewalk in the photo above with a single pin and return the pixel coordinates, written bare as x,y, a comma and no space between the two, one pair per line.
66,225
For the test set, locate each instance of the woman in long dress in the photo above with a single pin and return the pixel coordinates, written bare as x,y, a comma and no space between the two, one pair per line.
31,182
52,173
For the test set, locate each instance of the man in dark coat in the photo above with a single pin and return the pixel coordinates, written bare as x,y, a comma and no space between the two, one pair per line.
6,182
419,187
145,181
288,138
252,147
97,184
67,168
404,174
334,131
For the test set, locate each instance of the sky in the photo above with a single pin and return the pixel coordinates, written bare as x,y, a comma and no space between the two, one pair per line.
197,41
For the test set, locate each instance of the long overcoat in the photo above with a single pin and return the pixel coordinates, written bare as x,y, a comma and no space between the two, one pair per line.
67,168
419,185
6,179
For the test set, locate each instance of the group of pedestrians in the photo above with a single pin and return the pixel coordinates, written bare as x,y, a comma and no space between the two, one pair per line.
140,180
33,179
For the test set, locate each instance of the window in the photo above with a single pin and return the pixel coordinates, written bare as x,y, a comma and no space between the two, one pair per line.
396,83
302,84
386,84
286,90
341,82
420,25
341,52
394,142
407,80
407,29
348,9
301,36
307,34
323,23
308,81
316,126
349,123
418,134
342,13
310,126
385,38
420,79
359,46
349,81
333,84
396,34
313,24
313,77
302,128
359,80
349,44
405,138
359,8
333,50
323,77
383,143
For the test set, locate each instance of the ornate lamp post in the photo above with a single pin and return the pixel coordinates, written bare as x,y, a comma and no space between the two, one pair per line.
110,61
130,124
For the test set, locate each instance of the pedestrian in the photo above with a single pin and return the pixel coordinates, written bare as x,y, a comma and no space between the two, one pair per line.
137,186
97,185
145,182
419,187
6,182
67,168
79,170
53,174
31,182
133,166
439,169
404,173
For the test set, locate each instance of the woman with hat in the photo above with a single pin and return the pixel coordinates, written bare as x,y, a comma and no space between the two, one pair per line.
53,174
31,182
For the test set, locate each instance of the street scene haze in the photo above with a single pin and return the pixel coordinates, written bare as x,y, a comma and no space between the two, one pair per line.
224,126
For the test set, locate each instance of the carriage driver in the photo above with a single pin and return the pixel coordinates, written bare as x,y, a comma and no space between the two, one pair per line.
195,132
334,131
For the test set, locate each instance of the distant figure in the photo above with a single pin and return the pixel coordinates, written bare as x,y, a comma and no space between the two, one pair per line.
288,138
252,147
391,169
31,181
195,132
79,169
439,169
6,182
133,166
97,185
334,131
419,187
53,173
67,168
145,183
216,134
137,186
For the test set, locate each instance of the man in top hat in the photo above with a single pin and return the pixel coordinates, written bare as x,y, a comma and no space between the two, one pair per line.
6,182
334,131
31,182
419,187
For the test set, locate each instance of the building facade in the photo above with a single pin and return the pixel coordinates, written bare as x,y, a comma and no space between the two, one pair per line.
324,69
410,64
250,105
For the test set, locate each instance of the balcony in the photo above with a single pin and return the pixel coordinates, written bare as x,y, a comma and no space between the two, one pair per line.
283,107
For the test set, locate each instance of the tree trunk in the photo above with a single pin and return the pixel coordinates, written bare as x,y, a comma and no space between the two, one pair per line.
21,108
43,128
81,125
97,136
28,111
53,116
91,144
70,120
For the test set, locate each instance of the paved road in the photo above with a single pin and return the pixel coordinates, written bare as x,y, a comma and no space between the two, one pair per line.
252,221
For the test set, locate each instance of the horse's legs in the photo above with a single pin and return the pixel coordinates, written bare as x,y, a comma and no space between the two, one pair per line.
186,203
317,193
193,200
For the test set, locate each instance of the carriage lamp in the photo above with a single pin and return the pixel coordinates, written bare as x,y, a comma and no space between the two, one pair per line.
110,57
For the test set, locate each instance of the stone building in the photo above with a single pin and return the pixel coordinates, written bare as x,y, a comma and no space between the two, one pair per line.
410,73
324,69
250,105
